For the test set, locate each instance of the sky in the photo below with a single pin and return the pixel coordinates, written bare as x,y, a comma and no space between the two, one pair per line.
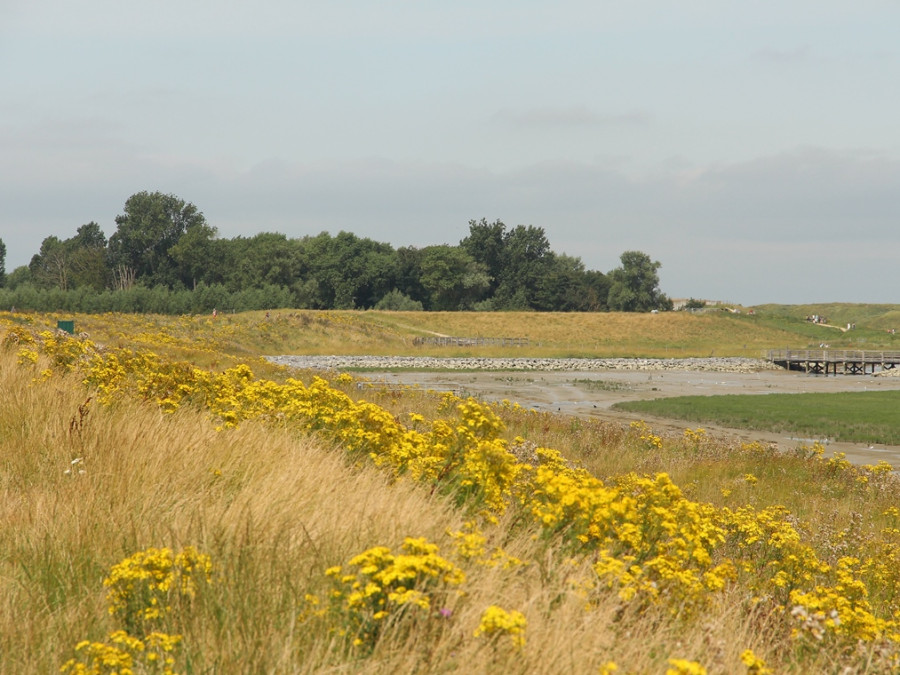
753,149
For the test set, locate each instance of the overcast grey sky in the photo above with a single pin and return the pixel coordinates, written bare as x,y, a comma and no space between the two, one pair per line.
751,148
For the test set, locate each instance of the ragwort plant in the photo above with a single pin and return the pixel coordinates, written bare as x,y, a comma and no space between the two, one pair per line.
123,654
497,622
148,591
378,588
651,544
143,588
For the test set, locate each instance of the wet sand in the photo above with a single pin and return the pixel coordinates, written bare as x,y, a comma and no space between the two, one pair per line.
590,395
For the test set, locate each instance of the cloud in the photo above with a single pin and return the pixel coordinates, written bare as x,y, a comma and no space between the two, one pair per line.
783,56
574,116
807,194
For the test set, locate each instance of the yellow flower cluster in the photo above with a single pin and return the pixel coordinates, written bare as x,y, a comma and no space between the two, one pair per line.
497,621
649,538
386,585
755,665
647,438
138,590
694,436
141,588
125,655
842,608
471,545
685,667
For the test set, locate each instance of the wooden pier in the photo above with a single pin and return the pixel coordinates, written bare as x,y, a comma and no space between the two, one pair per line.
834,361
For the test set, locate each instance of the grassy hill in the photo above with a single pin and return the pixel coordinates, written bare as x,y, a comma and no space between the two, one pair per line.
743,332
169,503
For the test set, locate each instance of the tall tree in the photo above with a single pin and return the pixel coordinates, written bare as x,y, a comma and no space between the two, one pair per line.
485,244
563,287
72,263
195,255
526,261
152,224
348,271
51,266
596,291
451,277
409,273
87,257
265,258
634,287
2,263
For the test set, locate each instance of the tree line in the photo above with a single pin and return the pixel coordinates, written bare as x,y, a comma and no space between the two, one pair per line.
164,257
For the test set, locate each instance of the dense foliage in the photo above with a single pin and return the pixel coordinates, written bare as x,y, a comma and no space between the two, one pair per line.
164,257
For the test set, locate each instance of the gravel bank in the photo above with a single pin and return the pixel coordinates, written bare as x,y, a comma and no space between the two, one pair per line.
712,364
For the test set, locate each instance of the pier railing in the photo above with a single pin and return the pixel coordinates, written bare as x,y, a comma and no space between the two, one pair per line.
848,361
832,355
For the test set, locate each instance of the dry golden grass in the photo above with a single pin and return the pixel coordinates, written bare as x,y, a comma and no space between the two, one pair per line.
669,334
229,338
273,510
272,520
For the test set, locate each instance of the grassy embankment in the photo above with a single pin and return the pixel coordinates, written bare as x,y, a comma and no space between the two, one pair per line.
86,485
208,342
666,335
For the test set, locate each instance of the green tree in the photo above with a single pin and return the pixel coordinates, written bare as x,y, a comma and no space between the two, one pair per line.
20,276
566,286
634,287
693,303
79,261
87,257
409,273
50,267
395,301
349,272
596,291
196,254
485,244
266,258
451,278
2,263
151,225
526,262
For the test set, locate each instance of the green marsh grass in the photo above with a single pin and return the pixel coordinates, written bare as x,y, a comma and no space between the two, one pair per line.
856,417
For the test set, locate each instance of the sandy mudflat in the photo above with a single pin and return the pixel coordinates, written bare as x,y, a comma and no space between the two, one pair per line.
590,394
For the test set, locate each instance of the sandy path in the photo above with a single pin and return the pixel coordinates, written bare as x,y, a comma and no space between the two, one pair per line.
590,394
